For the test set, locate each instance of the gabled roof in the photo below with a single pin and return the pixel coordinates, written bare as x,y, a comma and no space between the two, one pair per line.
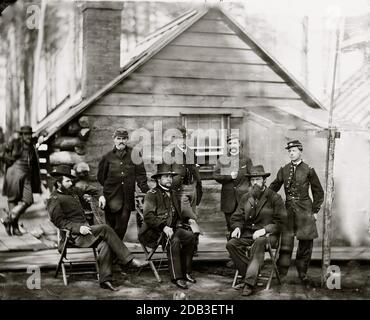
164,36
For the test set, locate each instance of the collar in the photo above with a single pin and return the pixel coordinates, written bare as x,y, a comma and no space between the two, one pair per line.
296,163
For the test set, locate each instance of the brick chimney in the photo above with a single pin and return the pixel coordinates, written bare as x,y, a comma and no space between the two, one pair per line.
101,44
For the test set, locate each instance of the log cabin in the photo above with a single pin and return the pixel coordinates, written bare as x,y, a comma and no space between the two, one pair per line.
204,71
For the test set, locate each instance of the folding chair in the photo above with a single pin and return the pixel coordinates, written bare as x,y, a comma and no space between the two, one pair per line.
64,243
274,256
139,200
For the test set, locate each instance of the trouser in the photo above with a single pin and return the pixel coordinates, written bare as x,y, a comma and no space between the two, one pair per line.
188,202
248,256
118,220
110,246
16,209
303,256
228,221
180,249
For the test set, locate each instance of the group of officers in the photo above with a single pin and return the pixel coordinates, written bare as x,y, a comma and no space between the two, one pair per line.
253,210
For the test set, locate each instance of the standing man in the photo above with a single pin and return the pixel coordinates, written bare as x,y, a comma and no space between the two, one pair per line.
66,212
22,178
298,177
117,174
162,214
261,211
187,183
233,178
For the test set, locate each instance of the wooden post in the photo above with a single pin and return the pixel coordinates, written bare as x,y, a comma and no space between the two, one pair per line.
329,194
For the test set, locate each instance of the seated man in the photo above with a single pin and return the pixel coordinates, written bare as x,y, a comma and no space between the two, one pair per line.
66,212
162,214
260,211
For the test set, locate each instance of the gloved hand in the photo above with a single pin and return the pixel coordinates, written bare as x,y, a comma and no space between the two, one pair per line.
259,233
236,233
102,202
168,231
315,216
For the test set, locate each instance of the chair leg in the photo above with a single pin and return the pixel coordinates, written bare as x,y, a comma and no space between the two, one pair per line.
156,274
235,278
149,255
62,255
275,269
64,273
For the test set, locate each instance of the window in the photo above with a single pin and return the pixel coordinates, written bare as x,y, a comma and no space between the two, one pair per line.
208,138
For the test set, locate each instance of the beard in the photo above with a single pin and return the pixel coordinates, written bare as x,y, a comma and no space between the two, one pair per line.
121,146
257,191
66,190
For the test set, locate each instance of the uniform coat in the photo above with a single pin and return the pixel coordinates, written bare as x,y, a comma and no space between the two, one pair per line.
300,207
232,189
118,175
66,212
160,211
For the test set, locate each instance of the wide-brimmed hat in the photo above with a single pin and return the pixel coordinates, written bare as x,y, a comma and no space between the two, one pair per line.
164,168
26,129
294,143
120,132
258,171
62,170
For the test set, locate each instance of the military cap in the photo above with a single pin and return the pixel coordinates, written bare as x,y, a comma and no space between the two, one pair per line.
120,132
294,143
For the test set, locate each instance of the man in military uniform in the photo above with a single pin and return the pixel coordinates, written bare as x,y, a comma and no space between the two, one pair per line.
260,212
22,178
66,212
297,178
117,174
187,183
163,215
233,178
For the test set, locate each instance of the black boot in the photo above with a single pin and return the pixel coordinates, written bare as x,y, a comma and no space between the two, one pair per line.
15,226
15,213
7,225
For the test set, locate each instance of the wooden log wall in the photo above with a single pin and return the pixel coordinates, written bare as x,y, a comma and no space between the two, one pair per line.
69,144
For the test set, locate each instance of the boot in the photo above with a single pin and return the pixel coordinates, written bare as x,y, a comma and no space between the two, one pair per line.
7,224
15,226
15,214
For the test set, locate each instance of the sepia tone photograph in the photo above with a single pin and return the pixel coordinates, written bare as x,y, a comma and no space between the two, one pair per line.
185,150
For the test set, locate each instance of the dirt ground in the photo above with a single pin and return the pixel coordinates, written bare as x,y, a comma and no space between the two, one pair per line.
213,283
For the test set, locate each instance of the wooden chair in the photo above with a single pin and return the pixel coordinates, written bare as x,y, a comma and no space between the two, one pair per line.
65,243
273,256
149,252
